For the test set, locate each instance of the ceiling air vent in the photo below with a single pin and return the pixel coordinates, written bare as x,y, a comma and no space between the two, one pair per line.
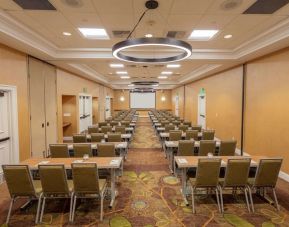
73,3
266,6
35,4
230,4
145,83
131,66
176,34
120,34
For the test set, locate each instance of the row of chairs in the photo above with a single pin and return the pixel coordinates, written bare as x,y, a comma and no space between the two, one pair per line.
187,148
184,127
176,135
79,150
106,129
114,123
236,177
97,137
53,184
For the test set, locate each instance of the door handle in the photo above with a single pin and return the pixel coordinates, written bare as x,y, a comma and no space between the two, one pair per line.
47,124
42,125
4,139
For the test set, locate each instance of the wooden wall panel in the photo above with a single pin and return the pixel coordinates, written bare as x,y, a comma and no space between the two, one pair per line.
121,105
267,109
13,65
164,105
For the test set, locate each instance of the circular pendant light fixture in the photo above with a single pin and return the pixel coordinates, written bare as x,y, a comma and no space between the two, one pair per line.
182,49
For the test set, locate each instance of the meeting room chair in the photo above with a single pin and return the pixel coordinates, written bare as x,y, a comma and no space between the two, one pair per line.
93,129
196,127
113,137
236,177
207,176
188,123
186,148
208,135
175,135
266,178
176,123
106,129
80,150
227,148
87,184
101,124
59,151
113,123
54,184
206,147
106,150
169,127
125,123
97,137
120,129
192,134
183,128
79,138
21,185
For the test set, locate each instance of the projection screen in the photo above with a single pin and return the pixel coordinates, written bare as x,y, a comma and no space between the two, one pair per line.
142,100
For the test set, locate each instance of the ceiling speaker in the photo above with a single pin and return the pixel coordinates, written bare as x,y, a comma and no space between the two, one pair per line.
230,4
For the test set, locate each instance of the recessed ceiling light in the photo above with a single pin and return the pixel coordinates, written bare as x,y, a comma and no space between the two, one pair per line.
121,72
166,73
229,36
162,77
155,85
116,65
203,35
130,85
94,33
173,66
124,77
66,33
148,35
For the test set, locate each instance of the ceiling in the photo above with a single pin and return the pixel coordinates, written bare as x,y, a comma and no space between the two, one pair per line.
40,33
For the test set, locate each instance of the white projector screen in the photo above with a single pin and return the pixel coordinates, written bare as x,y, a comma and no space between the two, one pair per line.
143,100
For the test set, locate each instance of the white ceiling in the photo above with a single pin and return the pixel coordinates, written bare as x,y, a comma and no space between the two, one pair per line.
39,33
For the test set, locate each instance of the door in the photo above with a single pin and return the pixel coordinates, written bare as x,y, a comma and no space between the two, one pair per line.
94,110
4,129
37,108
202,110
50,104
107,107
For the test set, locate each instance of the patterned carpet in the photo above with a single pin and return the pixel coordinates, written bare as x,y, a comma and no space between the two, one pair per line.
149,196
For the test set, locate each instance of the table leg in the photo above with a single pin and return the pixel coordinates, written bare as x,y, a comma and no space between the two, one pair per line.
112,187
184,185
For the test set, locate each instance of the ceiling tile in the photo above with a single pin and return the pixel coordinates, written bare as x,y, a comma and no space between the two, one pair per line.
85,7
190,6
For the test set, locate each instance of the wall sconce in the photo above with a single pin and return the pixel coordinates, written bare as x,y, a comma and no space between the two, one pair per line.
163,98
121,98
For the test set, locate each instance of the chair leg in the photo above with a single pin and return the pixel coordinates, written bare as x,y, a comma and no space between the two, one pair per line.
10,209
38,209
276,200
218,200
70,208
42,210
247,201
101,207
193,200
73,209
251,199
221,198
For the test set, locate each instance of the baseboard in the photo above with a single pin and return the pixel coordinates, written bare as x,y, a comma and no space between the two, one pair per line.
2,178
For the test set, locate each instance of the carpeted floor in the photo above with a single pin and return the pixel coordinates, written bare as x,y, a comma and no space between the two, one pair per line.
149,196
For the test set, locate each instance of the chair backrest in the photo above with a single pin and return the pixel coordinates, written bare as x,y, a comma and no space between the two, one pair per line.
105,150
106,129
85,178
176,123
237,172
208,135
227,148
93,129
79,138
207,146
267,172
81,149
188,123
100,124
175,135
186,148
183,128
114,137
197,127
18,180
125,123
192,134
113,123
59,150
169,127
208,172
53,179
120,129
97,137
